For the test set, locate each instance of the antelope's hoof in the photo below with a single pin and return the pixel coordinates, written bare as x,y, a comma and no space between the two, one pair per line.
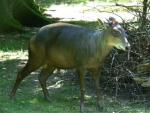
82,108
12,96
100,108
47,98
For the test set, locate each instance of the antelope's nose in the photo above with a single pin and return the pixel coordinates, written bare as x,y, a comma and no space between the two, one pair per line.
128,47
127,44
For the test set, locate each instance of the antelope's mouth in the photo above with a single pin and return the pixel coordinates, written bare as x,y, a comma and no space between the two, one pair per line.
124,48
121,47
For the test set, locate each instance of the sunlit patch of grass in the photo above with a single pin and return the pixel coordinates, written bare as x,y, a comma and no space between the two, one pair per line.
5,56
47,3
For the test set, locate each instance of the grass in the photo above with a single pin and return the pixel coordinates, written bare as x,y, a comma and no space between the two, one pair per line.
63,87
46,2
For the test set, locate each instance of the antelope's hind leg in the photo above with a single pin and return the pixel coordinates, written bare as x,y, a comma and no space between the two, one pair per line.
31,66
81,74
45,73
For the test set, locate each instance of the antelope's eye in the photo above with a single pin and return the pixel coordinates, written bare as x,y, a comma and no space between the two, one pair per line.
126,35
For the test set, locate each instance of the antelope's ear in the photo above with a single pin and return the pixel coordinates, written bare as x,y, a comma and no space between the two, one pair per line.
112,22
101,23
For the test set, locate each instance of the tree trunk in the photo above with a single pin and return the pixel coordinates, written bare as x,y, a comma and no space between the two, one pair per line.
144,13
14,14
8,22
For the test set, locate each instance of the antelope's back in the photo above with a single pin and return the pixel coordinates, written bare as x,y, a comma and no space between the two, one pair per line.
66,44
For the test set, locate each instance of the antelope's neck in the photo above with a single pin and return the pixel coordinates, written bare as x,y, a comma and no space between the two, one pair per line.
103,46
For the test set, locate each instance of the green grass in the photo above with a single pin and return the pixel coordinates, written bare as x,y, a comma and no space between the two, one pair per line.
44,2
63,89
48,3
16,41
29,101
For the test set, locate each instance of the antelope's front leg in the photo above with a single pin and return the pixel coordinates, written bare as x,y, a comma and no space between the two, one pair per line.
96,76
81,74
